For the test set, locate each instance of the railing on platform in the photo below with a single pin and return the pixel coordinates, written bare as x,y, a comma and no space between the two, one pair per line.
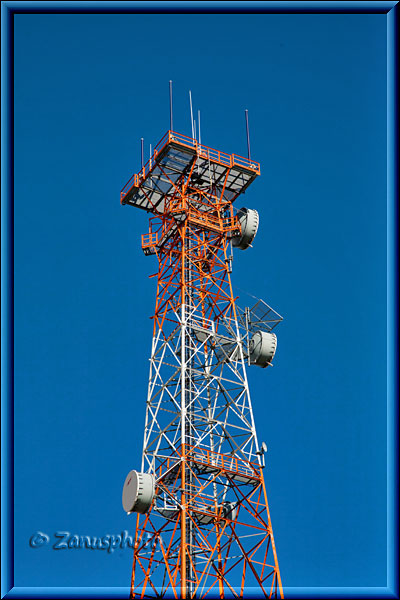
216,223
226,462
149,239
227,160
209,458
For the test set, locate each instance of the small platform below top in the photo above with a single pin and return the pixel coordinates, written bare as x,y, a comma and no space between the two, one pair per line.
206,462
174,158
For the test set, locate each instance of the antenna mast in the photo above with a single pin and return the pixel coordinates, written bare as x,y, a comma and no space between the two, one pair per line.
246,112
171,121
191,113
198,119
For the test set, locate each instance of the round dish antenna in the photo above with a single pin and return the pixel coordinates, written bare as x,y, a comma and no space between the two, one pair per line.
262,348
138,492
248,220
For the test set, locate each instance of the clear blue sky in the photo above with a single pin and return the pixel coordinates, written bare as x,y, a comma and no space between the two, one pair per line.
87,88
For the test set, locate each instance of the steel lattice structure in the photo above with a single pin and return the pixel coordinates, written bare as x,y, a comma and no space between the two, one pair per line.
207,530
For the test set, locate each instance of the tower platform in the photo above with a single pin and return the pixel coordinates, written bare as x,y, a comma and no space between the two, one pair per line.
177,156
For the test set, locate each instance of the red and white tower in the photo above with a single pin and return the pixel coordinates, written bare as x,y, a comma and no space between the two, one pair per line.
203,521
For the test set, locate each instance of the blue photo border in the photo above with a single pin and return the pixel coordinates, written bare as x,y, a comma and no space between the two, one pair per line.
8,9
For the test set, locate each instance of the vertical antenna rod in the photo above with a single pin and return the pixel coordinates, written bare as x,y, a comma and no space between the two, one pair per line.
198,120
191,112
142,151
246,112
171,121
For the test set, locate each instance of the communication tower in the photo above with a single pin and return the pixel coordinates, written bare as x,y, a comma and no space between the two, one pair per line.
203,526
